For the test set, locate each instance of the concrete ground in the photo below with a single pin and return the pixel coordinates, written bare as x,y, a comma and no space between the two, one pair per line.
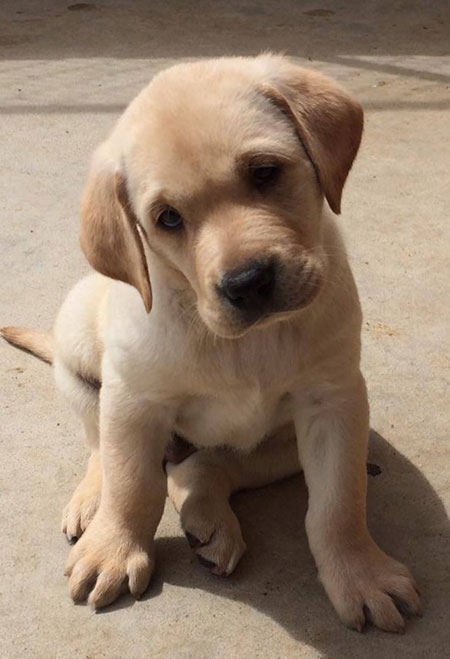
67,71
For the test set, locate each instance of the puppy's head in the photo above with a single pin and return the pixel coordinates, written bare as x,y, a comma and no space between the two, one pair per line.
221,167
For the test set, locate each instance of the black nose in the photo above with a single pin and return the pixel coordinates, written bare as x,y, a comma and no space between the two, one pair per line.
249,288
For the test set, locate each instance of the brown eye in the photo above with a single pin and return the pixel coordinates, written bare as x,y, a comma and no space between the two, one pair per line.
264,175
170,219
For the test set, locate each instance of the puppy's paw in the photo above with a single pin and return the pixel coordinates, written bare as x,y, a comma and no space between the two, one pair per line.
107,561
82,507
213,532
369,586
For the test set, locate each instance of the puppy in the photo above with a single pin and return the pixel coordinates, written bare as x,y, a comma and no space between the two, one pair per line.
224,314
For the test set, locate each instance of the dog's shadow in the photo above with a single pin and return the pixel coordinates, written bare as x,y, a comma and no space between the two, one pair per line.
277,575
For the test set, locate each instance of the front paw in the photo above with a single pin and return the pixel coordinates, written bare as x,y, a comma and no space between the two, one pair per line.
108,560
366,585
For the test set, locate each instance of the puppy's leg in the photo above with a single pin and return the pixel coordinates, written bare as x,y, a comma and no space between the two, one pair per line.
85,500
358,577
84,398
116,549
200,488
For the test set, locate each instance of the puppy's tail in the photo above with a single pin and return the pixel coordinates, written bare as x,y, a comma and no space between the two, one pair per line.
38,343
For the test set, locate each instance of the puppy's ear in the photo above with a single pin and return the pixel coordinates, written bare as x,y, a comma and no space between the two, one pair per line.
329,123
109,234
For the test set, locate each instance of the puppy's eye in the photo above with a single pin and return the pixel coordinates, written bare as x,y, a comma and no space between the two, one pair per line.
263,175
170,219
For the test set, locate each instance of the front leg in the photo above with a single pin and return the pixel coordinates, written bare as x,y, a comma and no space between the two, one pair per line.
117,548
360,579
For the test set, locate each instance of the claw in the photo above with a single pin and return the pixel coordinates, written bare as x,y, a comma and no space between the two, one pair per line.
204,561
193,541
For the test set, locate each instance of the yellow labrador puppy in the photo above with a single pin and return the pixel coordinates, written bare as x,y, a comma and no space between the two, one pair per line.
225,316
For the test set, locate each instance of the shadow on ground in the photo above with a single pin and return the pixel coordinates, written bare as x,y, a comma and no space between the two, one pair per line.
200,28
379,38
277,575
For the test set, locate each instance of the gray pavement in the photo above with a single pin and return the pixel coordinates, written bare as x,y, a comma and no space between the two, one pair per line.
66,72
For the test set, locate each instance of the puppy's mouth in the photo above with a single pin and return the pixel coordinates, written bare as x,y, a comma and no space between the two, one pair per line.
234,314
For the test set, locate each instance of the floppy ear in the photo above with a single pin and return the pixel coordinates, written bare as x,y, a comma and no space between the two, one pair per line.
329,123
109,234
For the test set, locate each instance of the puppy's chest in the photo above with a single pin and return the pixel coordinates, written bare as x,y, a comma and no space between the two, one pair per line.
239,418
230,394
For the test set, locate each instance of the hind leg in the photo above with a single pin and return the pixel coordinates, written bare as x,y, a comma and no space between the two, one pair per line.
201,485
85,500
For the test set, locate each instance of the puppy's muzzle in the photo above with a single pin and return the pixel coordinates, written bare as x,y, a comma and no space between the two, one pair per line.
250,288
